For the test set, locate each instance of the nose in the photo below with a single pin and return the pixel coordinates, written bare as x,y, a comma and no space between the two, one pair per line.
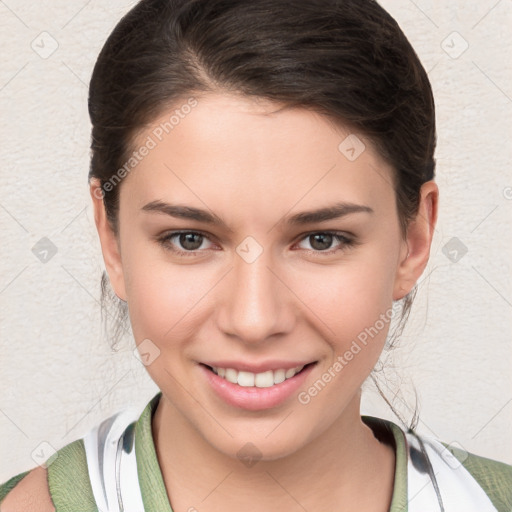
256,303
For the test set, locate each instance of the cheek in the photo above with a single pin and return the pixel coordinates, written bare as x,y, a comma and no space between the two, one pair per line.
352,309
349,300
165,299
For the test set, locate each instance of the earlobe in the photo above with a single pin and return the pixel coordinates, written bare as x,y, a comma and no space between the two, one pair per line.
108,240
416,247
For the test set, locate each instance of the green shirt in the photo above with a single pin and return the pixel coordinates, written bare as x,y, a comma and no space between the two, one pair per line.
71,491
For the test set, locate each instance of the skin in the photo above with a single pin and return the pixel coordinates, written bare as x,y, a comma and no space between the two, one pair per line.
253,167
31,493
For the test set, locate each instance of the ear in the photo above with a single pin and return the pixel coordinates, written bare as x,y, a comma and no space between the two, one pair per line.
416,248
109,241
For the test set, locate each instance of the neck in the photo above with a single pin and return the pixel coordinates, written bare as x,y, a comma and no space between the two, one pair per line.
333,472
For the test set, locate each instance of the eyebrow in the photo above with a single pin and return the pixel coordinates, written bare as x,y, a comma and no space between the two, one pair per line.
335,211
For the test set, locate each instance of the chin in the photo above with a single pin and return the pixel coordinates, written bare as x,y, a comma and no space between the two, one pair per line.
251,447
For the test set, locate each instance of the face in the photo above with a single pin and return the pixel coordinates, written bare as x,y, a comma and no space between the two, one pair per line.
224,265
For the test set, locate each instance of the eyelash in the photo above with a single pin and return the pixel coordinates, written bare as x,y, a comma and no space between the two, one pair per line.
345,242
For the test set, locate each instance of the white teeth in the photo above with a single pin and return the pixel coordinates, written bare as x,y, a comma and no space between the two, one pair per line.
279,376
260,380
289,373
245,379
264,380
231,375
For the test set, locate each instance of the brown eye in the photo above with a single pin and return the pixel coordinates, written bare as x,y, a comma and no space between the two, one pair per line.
322,241
185,243
189,241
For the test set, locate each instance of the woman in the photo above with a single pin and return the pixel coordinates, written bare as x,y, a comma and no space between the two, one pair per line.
262,177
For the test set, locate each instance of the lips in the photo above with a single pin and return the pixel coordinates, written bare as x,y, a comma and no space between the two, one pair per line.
252,390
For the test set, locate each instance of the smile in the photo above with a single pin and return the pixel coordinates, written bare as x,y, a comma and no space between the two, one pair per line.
258,390
259,380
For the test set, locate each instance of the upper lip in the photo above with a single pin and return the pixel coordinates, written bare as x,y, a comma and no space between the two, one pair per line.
256,367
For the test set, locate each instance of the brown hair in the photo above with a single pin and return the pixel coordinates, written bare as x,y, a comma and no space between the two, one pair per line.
345,59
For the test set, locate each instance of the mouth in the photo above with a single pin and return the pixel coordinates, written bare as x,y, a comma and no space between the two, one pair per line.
264,379
255,391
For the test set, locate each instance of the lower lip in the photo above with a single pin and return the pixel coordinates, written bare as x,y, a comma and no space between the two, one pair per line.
253,398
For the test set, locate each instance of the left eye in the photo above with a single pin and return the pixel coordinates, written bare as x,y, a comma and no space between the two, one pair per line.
192,241
322,241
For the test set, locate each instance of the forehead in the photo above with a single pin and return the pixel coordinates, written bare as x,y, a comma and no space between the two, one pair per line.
255,154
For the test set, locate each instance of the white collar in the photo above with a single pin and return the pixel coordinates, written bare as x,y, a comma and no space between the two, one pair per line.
437,480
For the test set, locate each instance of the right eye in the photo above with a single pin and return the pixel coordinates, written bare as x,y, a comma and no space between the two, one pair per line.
190,241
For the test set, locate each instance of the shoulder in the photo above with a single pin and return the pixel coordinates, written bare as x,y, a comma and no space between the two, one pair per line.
27,491
493,476
63,485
